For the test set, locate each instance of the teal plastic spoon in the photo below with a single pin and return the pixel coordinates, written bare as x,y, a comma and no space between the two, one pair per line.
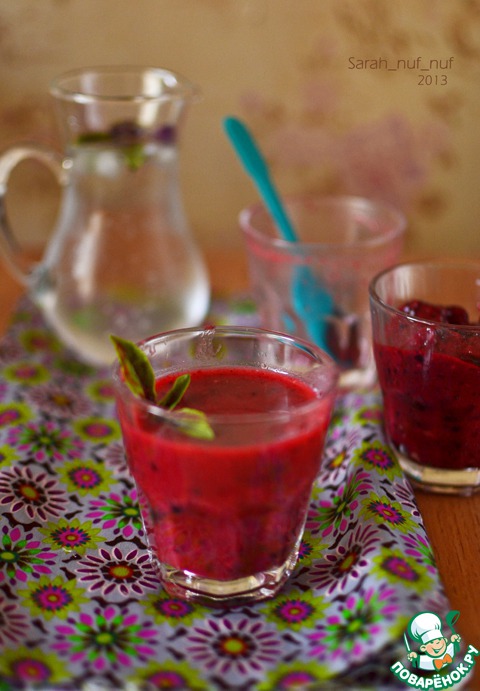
311,301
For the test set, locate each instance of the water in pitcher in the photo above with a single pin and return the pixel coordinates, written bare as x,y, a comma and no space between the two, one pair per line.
132,269
122,259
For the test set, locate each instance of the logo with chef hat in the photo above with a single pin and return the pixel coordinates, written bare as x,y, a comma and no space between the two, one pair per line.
436,651
435,654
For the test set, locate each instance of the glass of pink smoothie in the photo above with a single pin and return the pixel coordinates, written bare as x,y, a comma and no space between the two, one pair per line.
224,516
426,339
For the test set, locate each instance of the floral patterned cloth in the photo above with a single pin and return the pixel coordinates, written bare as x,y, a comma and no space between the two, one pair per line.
80,603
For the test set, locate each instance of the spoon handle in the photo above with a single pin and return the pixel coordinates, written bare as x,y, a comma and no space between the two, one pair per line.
256,167
310,299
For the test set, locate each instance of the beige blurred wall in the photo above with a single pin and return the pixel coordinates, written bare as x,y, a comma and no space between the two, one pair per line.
302,74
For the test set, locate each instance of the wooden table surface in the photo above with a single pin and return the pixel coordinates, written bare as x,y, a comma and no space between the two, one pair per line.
452,523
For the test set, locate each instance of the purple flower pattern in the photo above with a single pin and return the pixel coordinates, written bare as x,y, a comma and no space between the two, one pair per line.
14,622
32,493
334,514
45,441
21,556
355,625
243,646
118,572
119,512
348,562
110,637
58,401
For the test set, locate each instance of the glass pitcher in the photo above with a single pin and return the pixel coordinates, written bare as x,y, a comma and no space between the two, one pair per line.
122,259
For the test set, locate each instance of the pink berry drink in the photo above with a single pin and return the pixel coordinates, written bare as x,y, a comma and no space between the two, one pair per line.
427,353
446,409
225,516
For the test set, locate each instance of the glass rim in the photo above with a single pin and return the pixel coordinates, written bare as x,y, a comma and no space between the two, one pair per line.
397,229
67,85
452,263
319,356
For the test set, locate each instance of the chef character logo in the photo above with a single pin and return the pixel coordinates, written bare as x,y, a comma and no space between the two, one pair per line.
435,651
430,653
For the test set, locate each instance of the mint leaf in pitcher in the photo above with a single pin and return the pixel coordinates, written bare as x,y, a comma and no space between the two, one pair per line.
140,379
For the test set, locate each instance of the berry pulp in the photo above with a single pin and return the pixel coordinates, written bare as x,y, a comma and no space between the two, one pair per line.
430,379
234,506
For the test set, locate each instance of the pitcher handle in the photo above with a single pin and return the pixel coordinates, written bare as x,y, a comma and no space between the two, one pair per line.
9,159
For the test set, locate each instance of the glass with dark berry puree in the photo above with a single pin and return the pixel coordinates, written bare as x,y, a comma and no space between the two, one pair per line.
426,340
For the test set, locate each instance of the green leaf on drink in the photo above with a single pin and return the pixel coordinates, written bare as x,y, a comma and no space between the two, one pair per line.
140,379
137,370
193,423
175,394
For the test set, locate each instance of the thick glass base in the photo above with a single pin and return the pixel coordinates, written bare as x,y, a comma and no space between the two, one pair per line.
213,593
441,480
